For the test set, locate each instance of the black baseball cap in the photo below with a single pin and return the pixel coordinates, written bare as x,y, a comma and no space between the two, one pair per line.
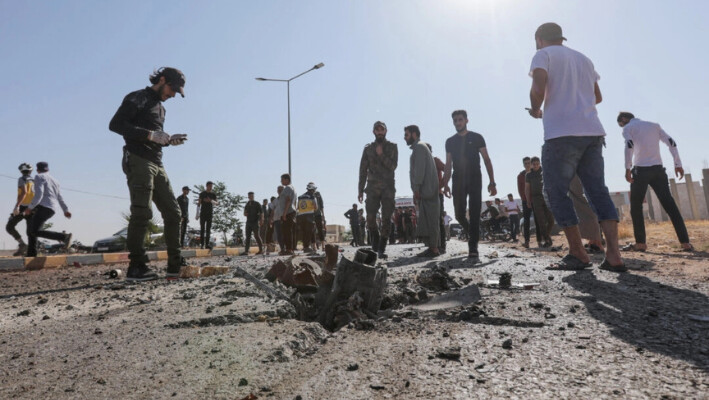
175,79
549,31
185,188
42,166
380,123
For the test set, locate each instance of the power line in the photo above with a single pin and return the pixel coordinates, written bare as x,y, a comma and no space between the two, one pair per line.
78,191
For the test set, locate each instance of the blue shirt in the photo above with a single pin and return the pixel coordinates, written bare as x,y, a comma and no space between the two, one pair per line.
46,193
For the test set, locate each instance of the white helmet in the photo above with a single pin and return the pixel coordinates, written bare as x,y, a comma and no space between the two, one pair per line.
311,186
24,167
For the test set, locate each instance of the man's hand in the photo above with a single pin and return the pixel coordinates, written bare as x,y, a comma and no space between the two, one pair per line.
529,204
417,196
159,137
679,173
379,149
67,214
492,188
178,139
197,217
628,176
16,211
447,191
28,211
535,113
360,198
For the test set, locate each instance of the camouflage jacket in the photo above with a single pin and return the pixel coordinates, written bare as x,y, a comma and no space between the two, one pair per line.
375,170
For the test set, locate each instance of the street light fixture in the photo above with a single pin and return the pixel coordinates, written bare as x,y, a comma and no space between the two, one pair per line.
317,66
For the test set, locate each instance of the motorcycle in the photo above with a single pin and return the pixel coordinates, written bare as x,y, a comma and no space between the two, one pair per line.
492,230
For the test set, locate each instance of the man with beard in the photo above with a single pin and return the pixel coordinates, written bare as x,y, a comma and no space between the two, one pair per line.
184,201
424,185
463,151
376,179
140,120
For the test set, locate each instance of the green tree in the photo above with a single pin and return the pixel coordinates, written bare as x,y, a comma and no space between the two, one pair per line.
225,218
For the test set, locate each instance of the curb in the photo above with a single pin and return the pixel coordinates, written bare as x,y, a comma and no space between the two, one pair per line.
59,261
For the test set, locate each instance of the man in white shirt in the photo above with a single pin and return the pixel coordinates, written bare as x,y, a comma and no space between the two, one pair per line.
642,153
46,199
512,209
566,82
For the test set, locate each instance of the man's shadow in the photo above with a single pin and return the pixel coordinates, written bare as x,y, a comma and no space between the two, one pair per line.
648,314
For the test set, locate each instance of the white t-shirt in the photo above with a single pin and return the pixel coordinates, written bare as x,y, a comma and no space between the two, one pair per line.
447,220
570,99
511,207
642,144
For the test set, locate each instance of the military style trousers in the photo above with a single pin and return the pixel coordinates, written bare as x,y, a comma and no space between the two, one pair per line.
148,183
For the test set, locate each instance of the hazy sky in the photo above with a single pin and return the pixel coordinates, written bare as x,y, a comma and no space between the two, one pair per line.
66,66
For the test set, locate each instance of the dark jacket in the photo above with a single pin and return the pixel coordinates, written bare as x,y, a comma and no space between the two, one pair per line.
252,210
140,113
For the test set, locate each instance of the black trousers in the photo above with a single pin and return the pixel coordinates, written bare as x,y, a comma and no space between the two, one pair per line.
442,244
14,220
655,177
39,217
355,234
514,224
252,227
183,230
305,225
205,230
467,193
288,227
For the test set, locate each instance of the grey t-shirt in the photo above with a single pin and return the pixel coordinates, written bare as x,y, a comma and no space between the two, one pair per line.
288,191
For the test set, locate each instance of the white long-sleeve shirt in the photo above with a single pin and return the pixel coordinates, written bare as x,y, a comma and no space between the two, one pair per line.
642,144
46,193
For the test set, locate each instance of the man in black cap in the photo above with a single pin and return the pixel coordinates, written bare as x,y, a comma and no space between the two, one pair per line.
140,120
205,212
184,201
253,214
25,193
46,199
376,179
566,83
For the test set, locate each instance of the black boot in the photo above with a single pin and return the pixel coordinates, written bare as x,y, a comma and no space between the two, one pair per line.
381,248
375,240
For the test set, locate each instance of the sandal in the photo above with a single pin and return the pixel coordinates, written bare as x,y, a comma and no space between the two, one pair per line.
569,263
606,266
689,249
632,247
593,249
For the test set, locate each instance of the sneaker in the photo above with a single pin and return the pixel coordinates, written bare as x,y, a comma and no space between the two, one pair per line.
382,256
21,250
259,252
140,274
173,271
67,241
428,253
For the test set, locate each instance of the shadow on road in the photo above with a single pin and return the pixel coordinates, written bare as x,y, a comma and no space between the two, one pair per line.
647,314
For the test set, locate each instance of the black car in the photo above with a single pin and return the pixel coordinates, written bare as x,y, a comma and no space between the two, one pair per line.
117,242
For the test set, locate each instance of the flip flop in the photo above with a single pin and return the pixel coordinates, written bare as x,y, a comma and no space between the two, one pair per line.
631,247
569,263
606,266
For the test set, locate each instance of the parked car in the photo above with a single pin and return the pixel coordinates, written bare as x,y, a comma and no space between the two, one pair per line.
117,242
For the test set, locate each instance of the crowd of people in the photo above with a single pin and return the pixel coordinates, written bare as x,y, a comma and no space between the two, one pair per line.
570,190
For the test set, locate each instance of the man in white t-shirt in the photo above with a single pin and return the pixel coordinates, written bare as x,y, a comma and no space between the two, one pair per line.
512,209
566,82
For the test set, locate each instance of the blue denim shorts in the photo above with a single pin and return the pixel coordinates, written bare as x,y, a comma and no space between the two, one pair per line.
564,157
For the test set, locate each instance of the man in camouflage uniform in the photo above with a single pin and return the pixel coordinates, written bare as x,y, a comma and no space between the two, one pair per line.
376,171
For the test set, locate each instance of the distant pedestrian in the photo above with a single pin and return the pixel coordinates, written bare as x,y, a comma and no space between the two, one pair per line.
46,199
184,201
205,212
447,224
25,194
526,209
512,209
534,192
440,170
140,120
643,168
425,187
263,222
288,208
307,207
463,152
277,221
353,216
566,83
376,179
252,212
269,222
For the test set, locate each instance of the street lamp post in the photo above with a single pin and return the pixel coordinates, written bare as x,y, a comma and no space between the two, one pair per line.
287,81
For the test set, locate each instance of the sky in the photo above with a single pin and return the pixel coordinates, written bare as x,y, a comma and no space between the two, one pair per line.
66,66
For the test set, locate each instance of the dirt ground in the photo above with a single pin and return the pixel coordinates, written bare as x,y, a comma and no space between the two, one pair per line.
74,333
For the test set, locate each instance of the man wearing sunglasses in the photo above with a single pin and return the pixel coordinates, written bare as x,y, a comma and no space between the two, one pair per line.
140,120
